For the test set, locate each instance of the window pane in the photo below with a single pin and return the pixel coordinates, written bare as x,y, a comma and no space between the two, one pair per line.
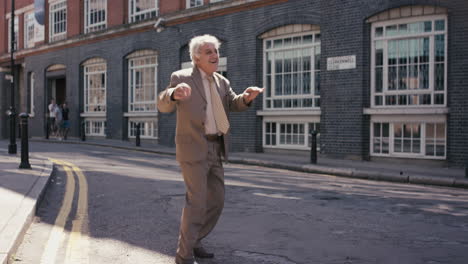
379,32
376,129
390,100
427,26
430,148
402,78
397,145
440,48
378,79
416,146
439,99
440,150
377,145
385,129
424,76
440,25
391,30
416,131
430,131
440,131
397,130
378,100
439,77
392,78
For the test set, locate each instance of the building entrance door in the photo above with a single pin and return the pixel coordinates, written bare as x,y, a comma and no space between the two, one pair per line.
57,90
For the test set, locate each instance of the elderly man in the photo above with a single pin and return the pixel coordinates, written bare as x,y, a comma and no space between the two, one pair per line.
202,99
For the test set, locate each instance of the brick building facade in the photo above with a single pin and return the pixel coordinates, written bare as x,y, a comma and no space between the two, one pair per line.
377,79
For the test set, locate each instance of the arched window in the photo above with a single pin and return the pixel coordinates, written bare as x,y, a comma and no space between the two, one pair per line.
409,82
95,85
94,96
291,76
142,93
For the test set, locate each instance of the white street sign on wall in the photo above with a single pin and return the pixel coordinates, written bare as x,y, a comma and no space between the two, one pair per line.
341,63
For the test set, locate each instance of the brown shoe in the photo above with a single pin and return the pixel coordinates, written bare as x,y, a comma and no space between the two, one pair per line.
202,253
180,260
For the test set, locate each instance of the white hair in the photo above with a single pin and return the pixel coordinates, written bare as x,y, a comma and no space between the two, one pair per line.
198,41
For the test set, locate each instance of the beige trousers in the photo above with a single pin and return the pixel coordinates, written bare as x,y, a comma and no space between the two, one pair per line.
204,199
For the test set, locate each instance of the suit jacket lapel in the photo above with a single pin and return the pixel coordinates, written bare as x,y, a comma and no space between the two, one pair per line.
196,76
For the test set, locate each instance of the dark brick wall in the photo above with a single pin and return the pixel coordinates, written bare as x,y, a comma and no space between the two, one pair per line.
344,93
457,135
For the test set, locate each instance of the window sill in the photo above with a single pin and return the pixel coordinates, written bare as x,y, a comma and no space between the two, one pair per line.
407,110
94,114
141,114
409,156
288,112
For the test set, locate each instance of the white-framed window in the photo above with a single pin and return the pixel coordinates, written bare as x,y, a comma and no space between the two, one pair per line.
29,24
95,15
57,20
16,36
95,85
292,71
409,62
215,1
142,9
95,127
194,3
410,139
32,80
222,66
289,134
142,77
148,128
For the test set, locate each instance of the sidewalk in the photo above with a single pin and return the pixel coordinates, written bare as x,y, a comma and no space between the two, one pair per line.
21,189
373,170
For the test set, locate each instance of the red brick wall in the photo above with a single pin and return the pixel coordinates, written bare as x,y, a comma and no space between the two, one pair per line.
3,27
20,32
74,17
18,4
116,12
168,6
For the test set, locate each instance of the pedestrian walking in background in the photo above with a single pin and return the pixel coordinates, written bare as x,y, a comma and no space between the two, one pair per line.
52,109
65,127
58,121
202,99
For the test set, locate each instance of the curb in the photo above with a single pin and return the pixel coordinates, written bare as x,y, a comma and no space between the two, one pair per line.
24,215
359,174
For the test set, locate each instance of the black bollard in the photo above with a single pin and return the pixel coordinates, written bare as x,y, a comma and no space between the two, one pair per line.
137,136
83,131
313,148
24,142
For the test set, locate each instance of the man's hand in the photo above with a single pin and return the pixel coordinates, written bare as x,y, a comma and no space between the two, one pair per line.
252,92
182,92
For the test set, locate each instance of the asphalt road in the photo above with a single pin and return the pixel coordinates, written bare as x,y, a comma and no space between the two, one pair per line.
109,206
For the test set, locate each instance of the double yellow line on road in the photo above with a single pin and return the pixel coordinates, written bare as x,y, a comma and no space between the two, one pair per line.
77,248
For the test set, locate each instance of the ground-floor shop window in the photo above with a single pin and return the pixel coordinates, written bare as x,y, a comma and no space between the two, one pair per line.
148,128
289,135
409,139
95,127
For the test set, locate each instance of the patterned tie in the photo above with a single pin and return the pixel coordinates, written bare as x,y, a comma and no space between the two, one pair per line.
222,123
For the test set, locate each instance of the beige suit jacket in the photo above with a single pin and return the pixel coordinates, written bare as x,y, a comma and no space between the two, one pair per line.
191,143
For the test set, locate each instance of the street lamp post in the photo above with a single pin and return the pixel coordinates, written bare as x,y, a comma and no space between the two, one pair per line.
12,112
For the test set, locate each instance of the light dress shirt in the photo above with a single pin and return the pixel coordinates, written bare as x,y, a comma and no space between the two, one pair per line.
210,123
